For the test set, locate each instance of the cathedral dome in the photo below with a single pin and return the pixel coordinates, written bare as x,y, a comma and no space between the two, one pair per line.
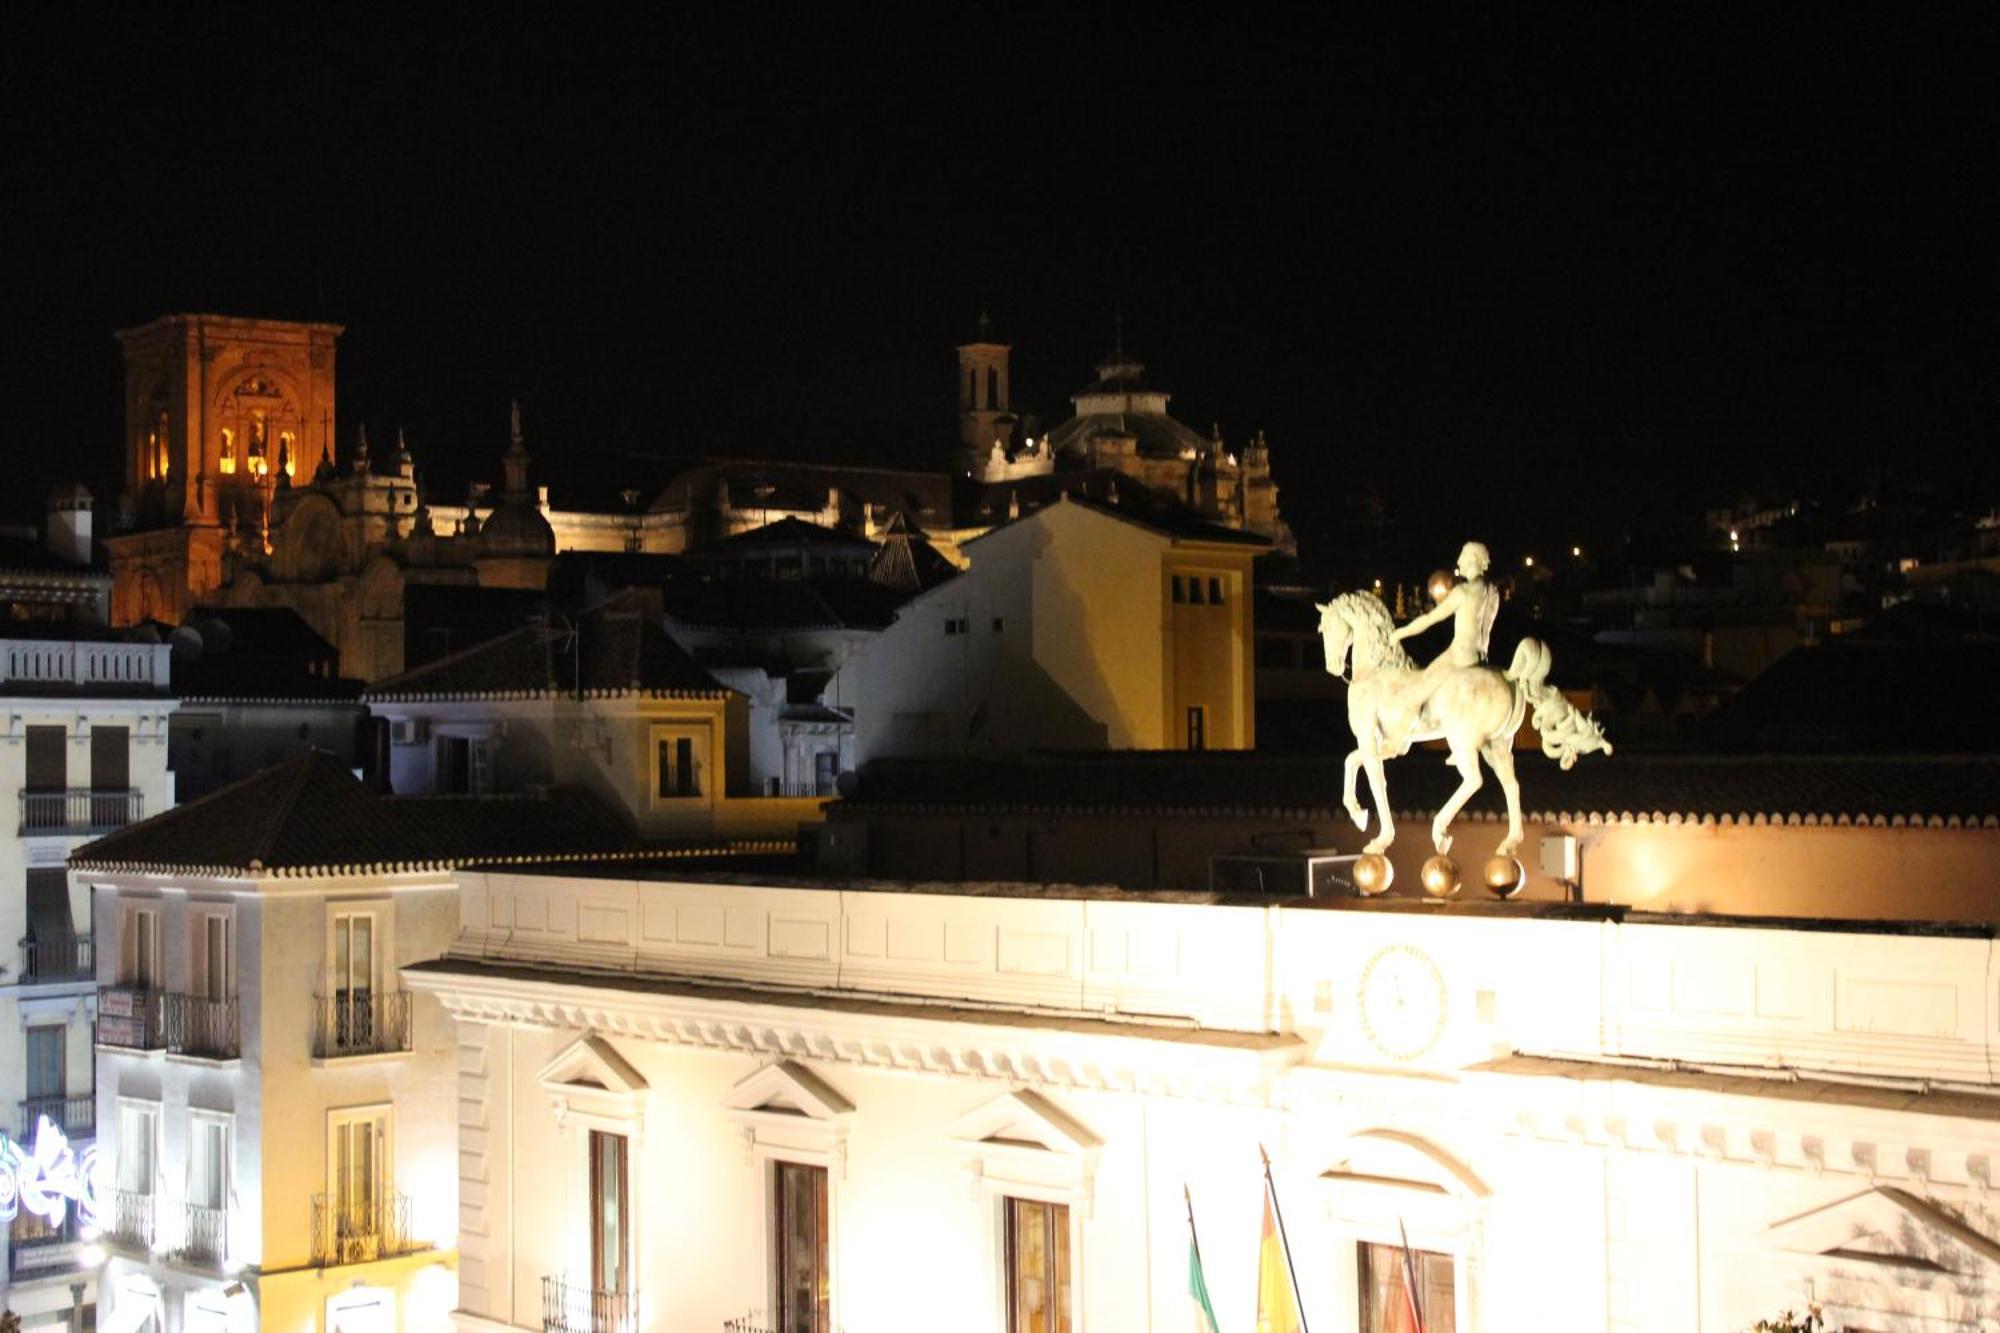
516,527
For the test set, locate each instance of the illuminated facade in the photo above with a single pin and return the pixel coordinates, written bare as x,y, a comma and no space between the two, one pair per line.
1077,626
237,494
277,1109
881,1106
85,751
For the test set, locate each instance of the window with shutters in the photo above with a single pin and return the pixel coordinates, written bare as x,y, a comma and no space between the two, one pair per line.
139,948
1389,1275
1038,1263
110,759
804,1283
46,1043
610,1213
680,762
48,759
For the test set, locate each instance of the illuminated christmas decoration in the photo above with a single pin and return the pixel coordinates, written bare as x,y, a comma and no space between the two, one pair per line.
50,1179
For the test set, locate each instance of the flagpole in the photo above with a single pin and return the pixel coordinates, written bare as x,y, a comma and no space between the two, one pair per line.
1271,1188
1194,1237
1410,1279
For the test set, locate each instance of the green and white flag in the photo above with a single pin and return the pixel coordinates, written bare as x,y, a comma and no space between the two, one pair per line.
1204,1310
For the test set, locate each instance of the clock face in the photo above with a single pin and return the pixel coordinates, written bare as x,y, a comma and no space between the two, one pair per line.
1402,1002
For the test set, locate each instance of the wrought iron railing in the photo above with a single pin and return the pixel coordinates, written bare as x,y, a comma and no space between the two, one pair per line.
198,1026
37,1244
129,1223
205,1236
75,1116
81,810
361,1023
131,1017
58,959
749,1323
569,1307
346,1231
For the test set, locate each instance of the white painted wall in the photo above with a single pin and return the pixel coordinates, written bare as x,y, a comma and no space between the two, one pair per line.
1683,1094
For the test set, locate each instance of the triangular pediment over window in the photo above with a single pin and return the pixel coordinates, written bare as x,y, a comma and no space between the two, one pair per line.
1025,1118
786,1087
1892,1231
590,1075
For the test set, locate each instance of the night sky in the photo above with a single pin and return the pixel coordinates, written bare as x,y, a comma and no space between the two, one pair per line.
1541,283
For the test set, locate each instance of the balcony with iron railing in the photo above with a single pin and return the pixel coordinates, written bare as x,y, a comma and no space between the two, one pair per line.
148,1020
204,1236
75,1115
128,1222
80,811
64,958
360,1231
569,1307
360,1023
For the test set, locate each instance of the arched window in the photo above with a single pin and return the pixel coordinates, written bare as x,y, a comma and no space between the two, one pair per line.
228,463
992,386
288,453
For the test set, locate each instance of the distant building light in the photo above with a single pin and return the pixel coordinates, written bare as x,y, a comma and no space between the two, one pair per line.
1576,551
1529,561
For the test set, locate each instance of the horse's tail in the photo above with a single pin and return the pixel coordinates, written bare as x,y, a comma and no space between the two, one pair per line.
1567,732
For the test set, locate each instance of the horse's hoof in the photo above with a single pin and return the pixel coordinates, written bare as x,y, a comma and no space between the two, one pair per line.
1360,818
1440,877
1504,876
1373,875
1442,842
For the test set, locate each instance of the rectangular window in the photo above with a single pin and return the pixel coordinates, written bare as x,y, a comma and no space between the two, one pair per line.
1215,592
999,624
463,766
139,958
804,1283
1194,589
826,771
353,980
1385,1290
208,1161
610,1212
110,759
138,1134
1197,727
679,775
1180,589
1038,1298
48,759
213,966
45,1065
359,1168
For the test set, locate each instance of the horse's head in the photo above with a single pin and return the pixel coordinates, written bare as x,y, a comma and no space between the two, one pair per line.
1336,636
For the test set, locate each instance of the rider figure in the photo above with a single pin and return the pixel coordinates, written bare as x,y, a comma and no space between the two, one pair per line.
1471,604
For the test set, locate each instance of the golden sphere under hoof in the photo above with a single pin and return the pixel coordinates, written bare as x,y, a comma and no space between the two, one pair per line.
1373,875
1504,876
1440,877
1440,584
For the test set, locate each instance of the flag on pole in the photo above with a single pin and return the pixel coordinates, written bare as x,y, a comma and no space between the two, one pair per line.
1277,1301
1204,1309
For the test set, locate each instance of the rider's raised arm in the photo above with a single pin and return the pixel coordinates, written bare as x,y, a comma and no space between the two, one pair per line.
1427,619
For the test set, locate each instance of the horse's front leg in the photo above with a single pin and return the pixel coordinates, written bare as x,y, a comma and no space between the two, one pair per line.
1357,811
1378,784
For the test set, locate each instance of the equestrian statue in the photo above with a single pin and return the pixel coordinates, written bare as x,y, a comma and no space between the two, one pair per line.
1473,708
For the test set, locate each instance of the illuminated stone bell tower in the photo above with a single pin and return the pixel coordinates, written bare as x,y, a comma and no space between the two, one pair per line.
219,413
983,416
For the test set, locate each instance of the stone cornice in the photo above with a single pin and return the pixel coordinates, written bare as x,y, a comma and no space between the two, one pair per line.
978,1045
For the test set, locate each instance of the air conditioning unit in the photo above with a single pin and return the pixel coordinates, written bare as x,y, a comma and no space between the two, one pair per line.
408,731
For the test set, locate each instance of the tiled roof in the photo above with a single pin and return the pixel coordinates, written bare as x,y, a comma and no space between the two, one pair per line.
311,815
783,604
616,648
1623,788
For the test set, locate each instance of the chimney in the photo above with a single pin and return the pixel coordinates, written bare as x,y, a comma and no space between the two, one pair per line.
68,531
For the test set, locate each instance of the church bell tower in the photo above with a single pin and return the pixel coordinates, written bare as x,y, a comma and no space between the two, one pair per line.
983,414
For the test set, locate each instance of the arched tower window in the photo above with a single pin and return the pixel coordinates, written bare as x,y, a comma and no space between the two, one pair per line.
972,388
288,453
228,463
161,455
992,386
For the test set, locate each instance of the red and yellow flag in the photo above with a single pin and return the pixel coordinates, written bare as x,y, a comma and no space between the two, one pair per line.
1277,1303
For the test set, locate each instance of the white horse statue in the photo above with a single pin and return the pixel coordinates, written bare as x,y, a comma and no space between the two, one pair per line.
1476,710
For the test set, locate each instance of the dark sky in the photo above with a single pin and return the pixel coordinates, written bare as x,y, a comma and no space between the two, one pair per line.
1538,282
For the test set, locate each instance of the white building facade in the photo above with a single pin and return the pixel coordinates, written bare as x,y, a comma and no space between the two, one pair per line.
83,750
729,1105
